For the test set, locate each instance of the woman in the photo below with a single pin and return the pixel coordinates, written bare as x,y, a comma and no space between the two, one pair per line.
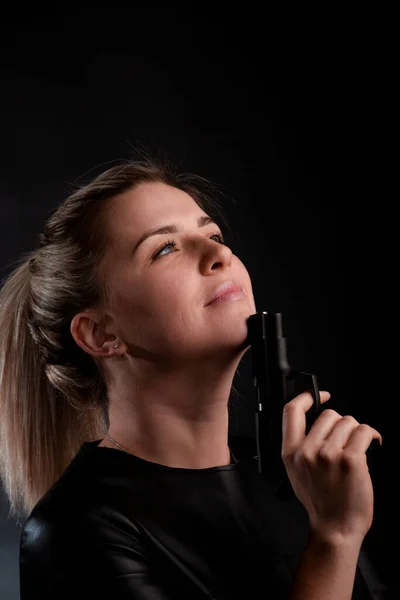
118,356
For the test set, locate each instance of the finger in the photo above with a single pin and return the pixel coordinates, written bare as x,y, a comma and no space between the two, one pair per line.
340,433
322,427
294,420
361,438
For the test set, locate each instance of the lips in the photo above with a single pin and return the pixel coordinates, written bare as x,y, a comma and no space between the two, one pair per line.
225,288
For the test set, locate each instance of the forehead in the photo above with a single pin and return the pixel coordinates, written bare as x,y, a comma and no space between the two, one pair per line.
151,205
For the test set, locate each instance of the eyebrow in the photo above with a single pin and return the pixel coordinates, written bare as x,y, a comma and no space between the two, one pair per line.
201,222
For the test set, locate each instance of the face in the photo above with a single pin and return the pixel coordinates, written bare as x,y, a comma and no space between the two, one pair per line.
161,287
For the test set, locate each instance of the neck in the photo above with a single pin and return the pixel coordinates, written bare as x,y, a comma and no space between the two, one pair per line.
177,419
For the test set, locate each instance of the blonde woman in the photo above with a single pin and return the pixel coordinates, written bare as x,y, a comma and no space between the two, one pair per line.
120,339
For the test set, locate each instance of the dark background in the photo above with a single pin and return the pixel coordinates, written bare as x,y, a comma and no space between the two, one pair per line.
293,115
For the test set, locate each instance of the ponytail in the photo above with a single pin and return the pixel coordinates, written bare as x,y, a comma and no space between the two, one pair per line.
40,431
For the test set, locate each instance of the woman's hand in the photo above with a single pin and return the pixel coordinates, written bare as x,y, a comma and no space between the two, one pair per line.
328,469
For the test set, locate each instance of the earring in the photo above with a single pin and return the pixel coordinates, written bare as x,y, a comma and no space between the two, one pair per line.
116,345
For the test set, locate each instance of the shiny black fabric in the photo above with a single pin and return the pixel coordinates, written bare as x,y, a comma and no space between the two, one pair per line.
117,526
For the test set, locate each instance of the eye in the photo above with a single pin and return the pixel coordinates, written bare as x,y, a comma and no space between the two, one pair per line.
168,243
219,236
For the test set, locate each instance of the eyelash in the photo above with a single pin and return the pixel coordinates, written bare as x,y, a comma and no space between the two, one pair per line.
173,243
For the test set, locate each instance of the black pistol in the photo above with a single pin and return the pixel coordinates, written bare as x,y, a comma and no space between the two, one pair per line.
276,384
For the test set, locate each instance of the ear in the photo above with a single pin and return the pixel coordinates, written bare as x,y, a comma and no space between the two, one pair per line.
88,330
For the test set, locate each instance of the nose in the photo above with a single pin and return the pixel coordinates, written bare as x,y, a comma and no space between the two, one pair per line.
215,256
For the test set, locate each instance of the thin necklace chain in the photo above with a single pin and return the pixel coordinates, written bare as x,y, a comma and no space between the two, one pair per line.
127,451
117,444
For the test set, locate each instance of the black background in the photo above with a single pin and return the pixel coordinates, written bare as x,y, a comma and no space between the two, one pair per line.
294,116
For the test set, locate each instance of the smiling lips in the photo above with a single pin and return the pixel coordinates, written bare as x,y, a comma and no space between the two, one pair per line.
229,290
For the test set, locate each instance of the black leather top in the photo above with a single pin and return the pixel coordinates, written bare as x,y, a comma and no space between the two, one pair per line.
117,526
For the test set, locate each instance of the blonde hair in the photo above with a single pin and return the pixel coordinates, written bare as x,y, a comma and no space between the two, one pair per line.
53,395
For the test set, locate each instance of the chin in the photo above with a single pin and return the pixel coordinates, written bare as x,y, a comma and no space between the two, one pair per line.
232,333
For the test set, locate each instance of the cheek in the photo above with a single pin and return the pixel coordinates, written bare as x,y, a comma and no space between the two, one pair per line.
166,296
175,299
167,317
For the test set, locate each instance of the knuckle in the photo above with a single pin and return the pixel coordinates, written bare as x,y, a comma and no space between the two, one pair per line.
364,427
327,455
350,419
308,456
288,407
349,459
329,412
